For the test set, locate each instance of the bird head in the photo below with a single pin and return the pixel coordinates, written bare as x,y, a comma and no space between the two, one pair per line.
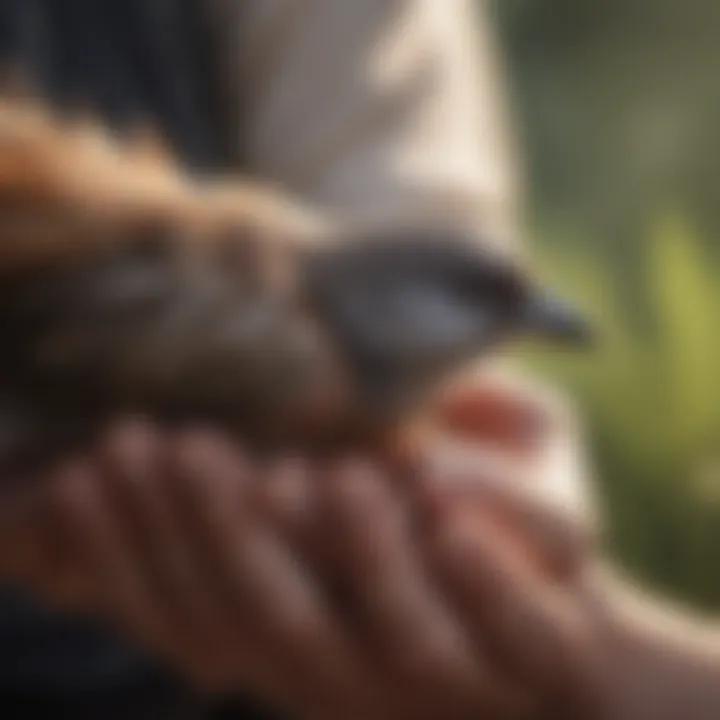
409,309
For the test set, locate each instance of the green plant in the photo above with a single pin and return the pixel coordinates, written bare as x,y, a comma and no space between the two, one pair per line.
650,394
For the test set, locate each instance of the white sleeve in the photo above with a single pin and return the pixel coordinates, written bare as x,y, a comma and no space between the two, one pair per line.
379,109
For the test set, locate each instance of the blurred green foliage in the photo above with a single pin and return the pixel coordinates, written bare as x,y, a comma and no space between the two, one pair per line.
619,109
650,394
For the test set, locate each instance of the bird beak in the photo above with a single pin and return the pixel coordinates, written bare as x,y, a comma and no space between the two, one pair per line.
553,319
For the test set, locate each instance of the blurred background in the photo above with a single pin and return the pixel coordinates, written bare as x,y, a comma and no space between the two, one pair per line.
619,110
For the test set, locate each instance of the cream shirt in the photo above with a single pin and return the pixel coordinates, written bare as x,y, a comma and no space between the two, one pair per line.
376,109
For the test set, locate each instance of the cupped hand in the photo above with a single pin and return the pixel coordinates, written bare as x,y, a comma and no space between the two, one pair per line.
335,591
302,585
511,538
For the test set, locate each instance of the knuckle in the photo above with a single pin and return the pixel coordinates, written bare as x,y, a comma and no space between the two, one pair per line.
197,454
195,445
130,439
202,443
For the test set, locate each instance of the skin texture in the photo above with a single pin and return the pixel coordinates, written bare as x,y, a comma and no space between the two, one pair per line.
340,592
327,591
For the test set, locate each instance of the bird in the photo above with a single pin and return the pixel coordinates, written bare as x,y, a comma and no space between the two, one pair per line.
128,285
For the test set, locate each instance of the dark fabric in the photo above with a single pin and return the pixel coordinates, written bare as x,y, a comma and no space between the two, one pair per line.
129,60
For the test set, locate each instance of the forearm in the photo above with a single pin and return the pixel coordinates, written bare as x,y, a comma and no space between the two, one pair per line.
660,662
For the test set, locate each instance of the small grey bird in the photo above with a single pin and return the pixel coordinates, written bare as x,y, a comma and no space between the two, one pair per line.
127,286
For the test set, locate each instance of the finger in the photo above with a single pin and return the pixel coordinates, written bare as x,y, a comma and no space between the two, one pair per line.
35,556
151,494
534,628
101,546
556,523
136,485
494,410
402,617
23,530
286,496
492,416
503,409
223,657
109,524
555,451
274,602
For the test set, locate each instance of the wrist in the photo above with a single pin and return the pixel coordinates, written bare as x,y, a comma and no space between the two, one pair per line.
655,661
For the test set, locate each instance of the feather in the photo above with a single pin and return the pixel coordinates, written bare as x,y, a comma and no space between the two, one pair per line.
128,285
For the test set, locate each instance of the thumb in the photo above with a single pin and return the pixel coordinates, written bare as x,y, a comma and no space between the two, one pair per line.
533,628
534,501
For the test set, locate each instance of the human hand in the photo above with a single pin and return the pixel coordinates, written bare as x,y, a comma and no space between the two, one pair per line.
511,540
484,586
521,570
160,536
227,578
